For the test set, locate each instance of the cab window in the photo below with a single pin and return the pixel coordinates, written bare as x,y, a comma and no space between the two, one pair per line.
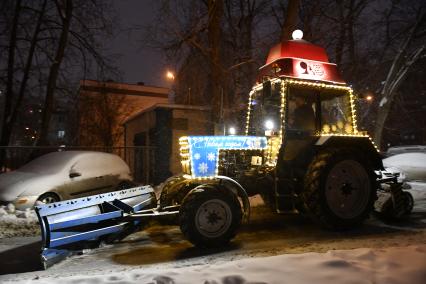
302,109
265,110
336,115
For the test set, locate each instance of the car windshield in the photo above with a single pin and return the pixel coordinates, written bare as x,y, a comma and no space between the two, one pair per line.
48,164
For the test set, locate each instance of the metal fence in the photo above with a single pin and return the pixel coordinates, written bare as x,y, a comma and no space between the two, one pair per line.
139,158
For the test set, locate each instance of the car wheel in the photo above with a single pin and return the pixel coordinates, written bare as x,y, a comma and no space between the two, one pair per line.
49,197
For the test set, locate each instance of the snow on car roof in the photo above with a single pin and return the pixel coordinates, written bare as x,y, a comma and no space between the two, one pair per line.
410,159
56,161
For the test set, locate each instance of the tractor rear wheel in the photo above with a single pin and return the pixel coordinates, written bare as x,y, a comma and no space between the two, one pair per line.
339,188
210,217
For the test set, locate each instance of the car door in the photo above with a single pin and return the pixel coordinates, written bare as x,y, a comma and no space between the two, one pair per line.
119,175
87,177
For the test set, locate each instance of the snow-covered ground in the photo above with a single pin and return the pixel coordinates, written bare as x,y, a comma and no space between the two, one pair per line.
271,249
364,265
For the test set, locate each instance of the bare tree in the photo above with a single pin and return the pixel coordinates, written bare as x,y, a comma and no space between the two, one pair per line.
98,119
290,19
402,62
9,94
44,54
11,109
101,116
212,42
215,13
65,12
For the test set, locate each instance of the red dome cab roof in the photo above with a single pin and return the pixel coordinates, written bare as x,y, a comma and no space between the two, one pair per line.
300,59
297,49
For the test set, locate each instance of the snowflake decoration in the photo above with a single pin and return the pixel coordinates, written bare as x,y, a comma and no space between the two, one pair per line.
211,156
197,156
203,168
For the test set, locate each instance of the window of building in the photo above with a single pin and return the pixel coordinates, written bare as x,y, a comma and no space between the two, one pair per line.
61,134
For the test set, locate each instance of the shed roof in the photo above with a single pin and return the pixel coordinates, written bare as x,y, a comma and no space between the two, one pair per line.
123,88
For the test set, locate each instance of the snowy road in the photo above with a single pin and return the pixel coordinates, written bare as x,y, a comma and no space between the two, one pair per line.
160,250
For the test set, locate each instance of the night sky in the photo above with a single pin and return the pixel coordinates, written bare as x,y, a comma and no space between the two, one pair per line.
137,63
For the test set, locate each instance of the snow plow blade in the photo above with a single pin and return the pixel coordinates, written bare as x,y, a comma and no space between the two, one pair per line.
69,226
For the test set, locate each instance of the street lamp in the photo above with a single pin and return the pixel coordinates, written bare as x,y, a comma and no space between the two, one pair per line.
170,75
368,96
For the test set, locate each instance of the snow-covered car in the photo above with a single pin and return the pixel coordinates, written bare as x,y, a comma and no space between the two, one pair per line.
64,175
405,149
391,172
412,165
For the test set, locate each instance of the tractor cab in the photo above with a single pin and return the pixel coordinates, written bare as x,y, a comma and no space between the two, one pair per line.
299,97
299,107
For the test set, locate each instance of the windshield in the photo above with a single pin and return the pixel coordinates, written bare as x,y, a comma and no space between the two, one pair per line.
336,115
325,111
48,164
265,110
302,110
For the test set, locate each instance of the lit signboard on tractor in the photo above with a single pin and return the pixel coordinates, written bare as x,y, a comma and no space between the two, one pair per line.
307,69
204,151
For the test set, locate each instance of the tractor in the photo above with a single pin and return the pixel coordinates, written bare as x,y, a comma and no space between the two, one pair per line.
301,152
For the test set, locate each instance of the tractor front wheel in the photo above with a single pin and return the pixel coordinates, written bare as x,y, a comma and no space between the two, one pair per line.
210,217
339,188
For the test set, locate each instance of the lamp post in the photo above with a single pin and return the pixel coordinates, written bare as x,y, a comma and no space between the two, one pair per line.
171,77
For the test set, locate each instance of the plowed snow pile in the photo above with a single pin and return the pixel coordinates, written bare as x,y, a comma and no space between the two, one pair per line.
16,223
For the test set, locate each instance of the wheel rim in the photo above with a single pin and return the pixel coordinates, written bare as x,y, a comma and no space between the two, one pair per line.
347,189
48,199
213,218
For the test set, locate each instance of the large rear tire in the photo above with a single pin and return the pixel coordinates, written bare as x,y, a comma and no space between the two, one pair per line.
339,188
210,217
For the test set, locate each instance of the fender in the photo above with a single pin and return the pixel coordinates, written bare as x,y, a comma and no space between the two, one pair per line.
178,187
227,183
363,143
239,190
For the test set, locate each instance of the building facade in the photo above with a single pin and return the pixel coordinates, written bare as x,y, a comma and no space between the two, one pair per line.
158,128
104,106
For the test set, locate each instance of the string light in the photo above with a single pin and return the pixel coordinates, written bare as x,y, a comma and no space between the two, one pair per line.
274,143
188,166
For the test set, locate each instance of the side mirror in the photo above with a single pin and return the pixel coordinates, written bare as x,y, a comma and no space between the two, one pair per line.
74,174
